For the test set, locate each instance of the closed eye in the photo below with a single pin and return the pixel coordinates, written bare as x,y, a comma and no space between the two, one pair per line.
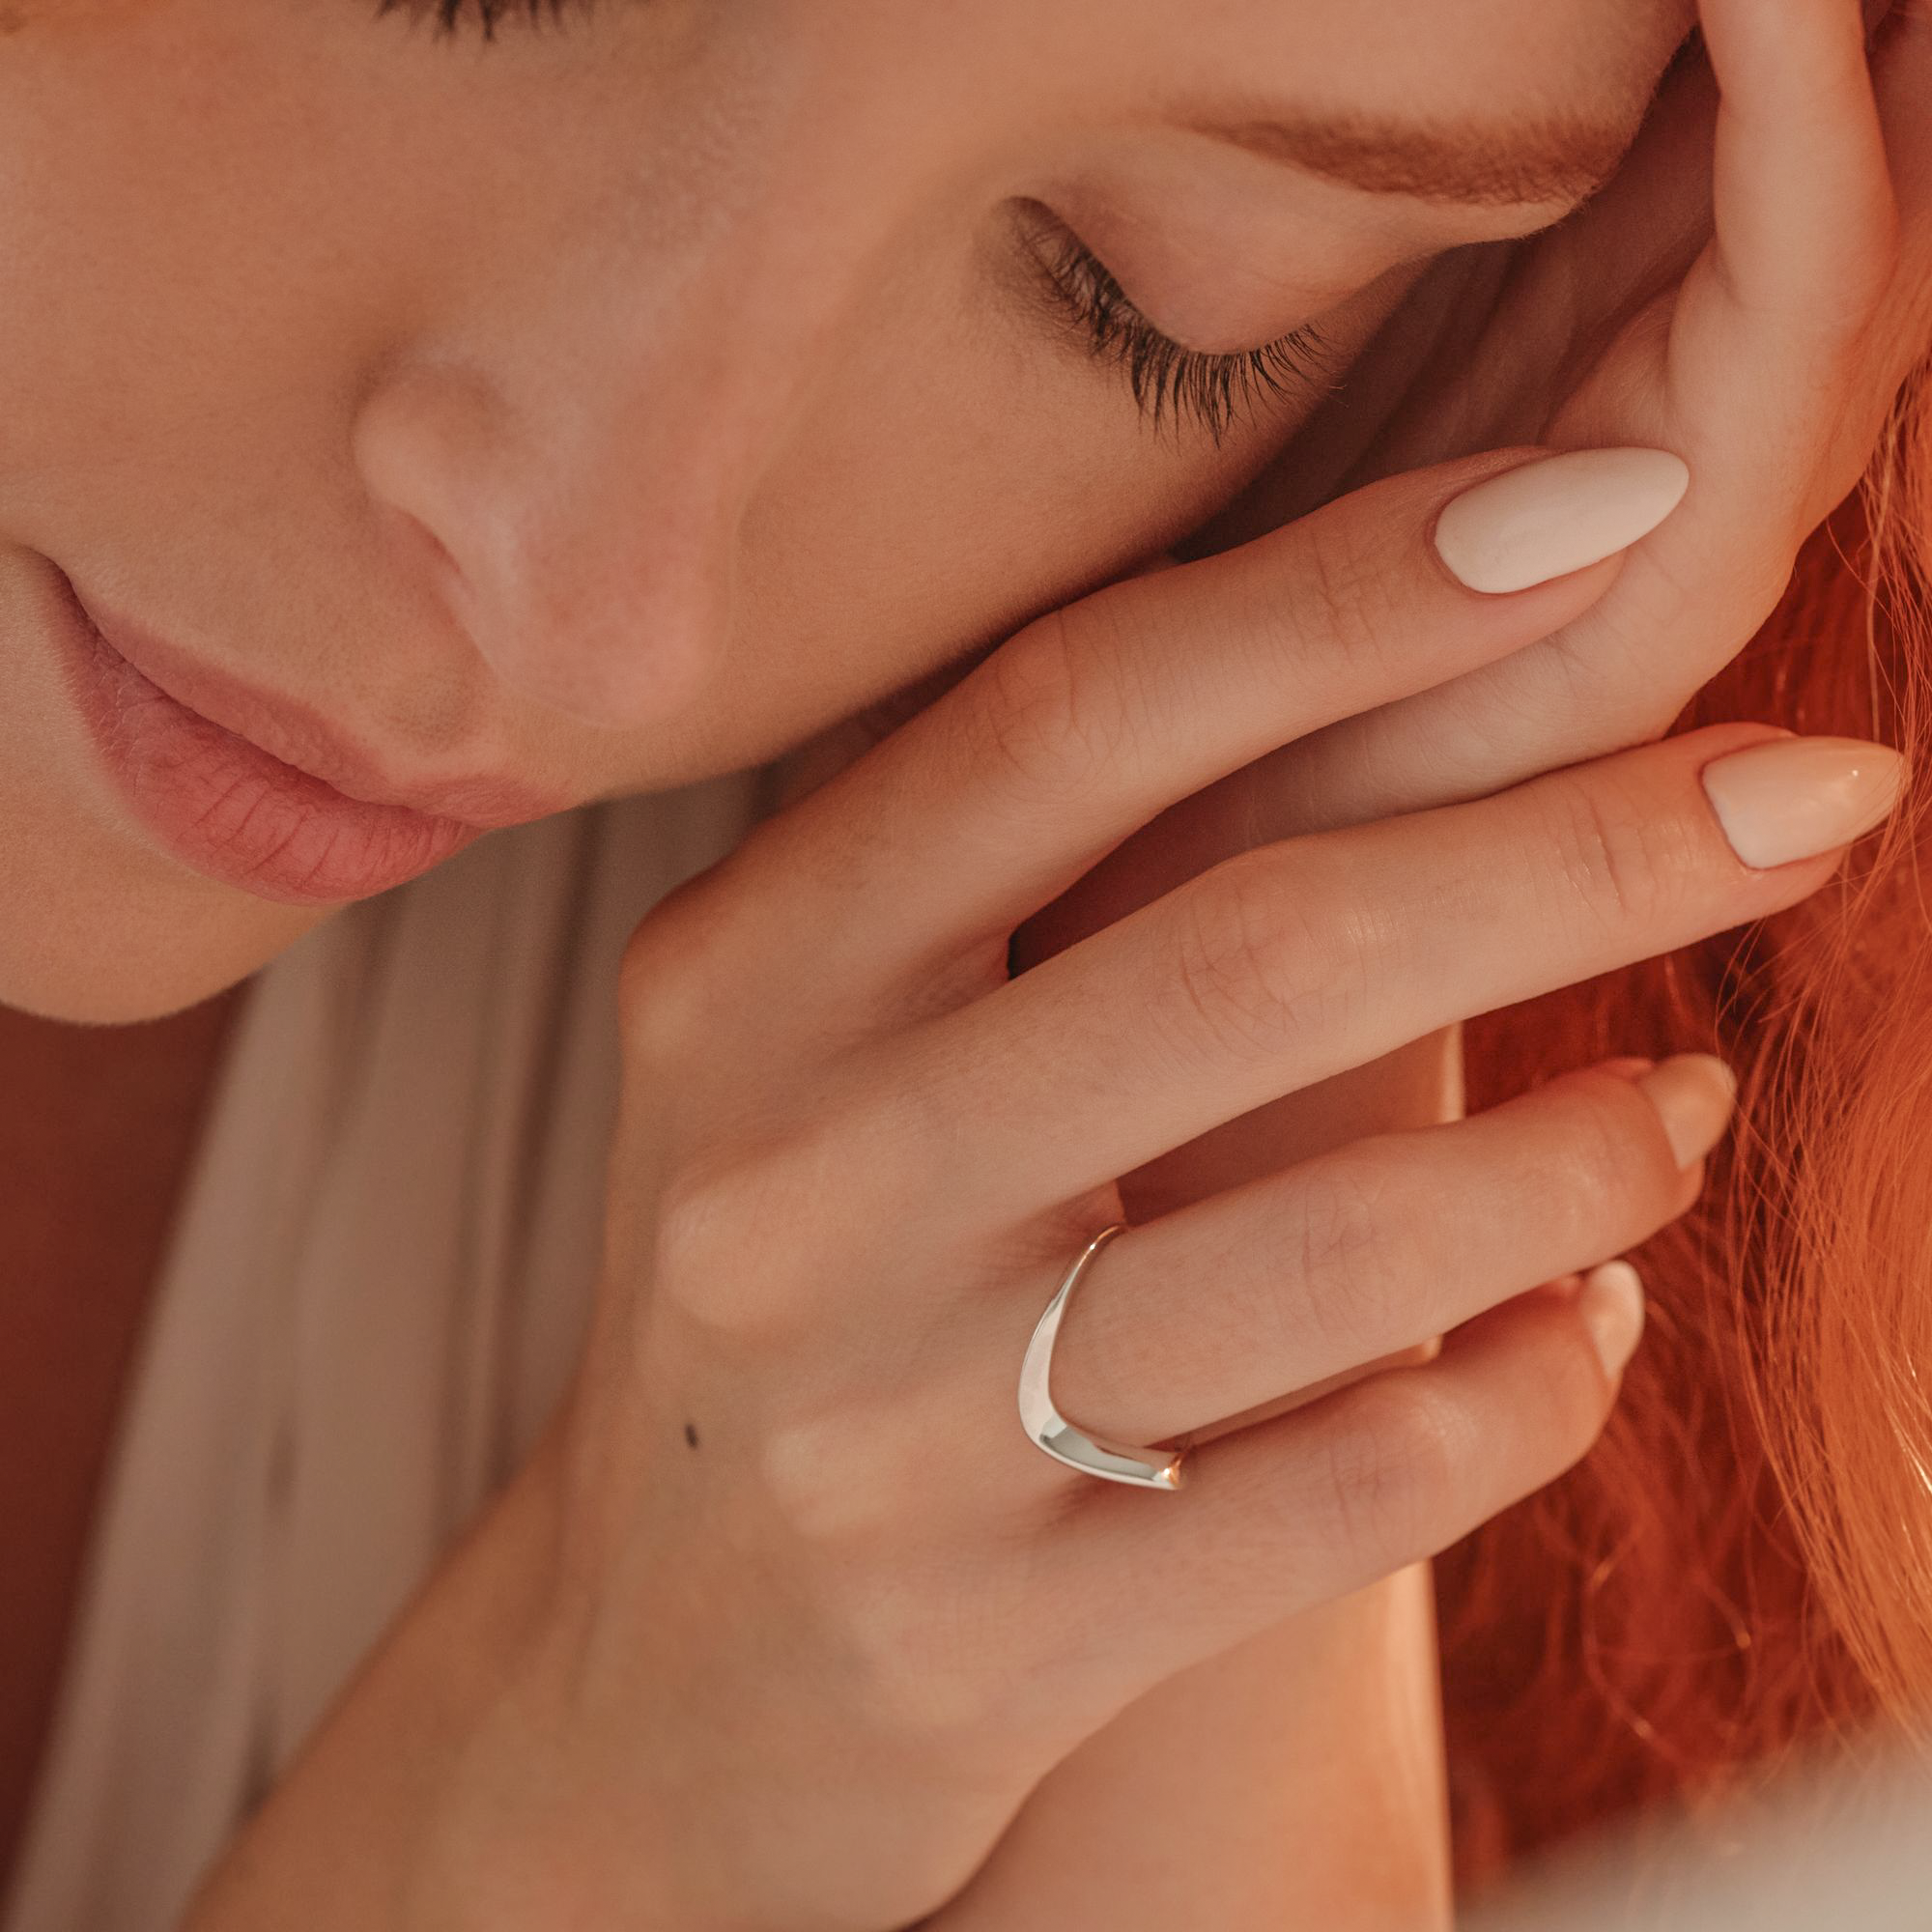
1169,383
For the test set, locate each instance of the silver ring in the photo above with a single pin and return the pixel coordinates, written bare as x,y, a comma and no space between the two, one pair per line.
1047,1429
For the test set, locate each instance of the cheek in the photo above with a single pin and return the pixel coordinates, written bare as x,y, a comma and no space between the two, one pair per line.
900,534
933,505
159,329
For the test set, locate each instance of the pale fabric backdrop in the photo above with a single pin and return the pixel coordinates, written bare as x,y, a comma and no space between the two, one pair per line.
373,1295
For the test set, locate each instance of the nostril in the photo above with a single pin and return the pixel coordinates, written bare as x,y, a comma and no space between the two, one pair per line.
426,552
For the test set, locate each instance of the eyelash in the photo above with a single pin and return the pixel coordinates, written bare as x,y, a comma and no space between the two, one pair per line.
1168,381
452,16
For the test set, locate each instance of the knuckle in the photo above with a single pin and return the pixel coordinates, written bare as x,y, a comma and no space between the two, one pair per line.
1603,1164
667,975
1259,958
929,1653
757,1233
891,1685
1846,308
1051,714
707,1263
819,1474
1617,857
1350,593
1560,1402
1355,1250
1871,251
1393,1476
726,1251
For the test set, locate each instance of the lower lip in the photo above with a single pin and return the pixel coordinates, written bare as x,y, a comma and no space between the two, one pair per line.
229,810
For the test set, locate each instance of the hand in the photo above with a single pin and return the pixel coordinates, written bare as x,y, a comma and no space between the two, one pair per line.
1763,341
820,1612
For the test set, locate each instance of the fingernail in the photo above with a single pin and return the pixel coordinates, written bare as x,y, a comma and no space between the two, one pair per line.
1547,518
1693,1094
1793,798
1610,1302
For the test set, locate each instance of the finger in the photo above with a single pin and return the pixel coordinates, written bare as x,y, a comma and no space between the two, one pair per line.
1090,721
1767,340
1282,1283
1805,217
1323,1502
1297,960
1804,251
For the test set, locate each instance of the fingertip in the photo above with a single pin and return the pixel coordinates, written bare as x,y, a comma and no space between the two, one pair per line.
1627,1065
1695,1097
1610,1302
1690,1185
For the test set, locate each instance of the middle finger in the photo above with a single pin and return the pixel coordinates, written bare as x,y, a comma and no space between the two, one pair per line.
1298,960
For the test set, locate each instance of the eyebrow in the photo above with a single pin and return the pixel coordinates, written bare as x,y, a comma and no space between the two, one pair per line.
1552,160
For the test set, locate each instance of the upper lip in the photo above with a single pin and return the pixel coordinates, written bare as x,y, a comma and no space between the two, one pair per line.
297,735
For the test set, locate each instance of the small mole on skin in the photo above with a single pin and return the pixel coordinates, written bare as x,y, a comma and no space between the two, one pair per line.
691,1434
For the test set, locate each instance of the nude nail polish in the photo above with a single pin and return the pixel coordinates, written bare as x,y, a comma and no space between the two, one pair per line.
1547,518
1693,1094
1794,797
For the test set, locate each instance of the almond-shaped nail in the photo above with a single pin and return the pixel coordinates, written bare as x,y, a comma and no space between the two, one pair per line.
1693,1094
1547,518
1794,797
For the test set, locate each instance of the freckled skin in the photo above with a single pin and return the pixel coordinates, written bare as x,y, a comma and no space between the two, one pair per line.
593,406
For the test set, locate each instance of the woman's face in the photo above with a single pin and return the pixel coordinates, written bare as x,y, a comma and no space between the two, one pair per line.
621,398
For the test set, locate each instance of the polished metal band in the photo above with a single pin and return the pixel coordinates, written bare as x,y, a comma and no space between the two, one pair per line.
1049,1430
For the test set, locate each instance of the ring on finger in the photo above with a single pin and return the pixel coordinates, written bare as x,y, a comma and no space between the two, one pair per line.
1050,1430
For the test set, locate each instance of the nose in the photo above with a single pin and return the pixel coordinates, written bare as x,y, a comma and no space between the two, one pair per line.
576,494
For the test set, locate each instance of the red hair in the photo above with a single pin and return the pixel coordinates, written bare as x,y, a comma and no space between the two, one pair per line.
1743,1565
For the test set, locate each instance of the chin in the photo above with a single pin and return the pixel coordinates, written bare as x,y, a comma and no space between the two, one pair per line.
113,948
93,995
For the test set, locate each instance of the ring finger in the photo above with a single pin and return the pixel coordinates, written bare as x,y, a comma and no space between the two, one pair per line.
1278,1285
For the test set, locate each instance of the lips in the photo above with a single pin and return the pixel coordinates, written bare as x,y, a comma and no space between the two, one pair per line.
297,735
230,809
